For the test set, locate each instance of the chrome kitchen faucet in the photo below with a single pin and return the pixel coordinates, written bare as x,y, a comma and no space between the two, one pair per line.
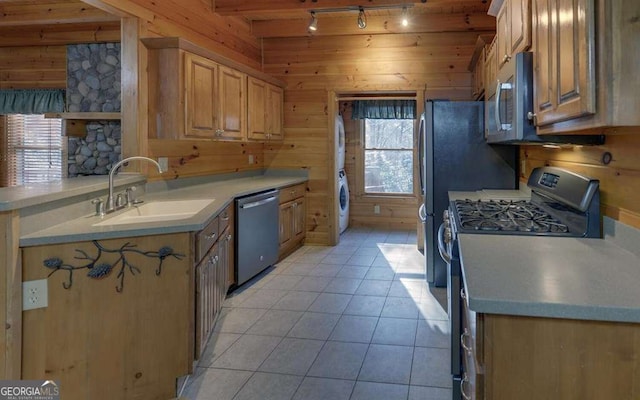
112,206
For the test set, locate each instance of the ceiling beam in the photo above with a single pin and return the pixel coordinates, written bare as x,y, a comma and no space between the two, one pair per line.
247,7
15,13
420,23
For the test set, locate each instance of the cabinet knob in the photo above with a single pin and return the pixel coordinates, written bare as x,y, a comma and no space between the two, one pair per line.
531,116
506,58
210,236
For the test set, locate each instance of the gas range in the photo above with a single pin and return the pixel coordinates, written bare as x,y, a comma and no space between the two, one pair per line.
562,204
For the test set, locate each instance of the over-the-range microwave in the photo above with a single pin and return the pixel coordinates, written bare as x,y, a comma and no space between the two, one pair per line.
509,104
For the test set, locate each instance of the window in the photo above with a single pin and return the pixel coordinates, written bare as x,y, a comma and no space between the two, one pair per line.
33,149
388,156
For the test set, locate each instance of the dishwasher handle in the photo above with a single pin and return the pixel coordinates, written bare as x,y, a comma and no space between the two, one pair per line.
258,203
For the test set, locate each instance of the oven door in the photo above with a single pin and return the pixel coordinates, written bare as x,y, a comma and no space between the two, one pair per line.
448,252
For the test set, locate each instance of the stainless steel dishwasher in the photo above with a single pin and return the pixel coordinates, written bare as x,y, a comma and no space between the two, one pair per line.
257,233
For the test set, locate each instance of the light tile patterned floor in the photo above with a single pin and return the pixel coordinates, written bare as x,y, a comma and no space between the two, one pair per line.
355,321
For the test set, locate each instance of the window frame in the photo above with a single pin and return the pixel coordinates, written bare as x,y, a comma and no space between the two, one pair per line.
360,167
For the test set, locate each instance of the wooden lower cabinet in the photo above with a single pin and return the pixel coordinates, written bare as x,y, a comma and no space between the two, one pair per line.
532,358
103,338
213,278
292,218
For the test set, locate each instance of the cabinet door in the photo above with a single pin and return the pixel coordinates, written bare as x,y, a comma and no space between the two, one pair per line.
221,271
231,270
520,32
233,104
503,35
207,303
201,96
298,222
286,218
257,94
275,113
564,60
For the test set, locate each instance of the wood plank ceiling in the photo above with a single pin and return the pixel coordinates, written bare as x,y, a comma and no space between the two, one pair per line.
290,18
51,22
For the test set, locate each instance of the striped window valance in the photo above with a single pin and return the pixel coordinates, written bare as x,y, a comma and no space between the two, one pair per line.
384,109
31,101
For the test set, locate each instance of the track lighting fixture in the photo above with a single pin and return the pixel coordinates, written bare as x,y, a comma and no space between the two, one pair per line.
313,24
405,17
362,19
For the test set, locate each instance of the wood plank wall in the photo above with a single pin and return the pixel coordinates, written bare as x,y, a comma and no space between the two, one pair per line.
33,67
36,58
201,157
315,66
395,213
619,181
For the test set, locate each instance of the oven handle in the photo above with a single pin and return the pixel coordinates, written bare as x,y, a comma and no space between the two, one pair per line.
422,213
441,247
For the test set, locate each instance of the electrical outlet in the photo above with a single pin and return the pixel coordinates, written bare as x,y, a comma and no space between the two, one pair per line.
376,209
523,167
164,163
251,160
34,294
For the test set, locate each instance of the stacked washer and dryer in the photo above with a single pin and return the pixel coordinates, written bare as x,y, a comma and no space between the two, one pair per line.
343,186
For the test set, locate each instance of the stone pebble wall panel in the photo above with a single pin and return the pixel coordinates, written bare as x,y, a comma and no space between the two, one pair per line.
97,152
93,85
93,77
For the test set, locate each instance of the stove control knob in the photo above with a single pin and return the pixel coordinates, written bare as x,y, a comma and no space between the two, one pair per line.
447,235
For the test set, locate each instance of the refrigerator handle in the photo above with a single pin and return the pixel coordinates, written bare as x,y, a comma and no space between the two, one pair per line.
422,213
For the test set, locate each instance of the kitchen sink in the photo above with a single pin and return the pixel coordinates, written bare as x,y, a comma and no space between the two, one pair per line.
158,211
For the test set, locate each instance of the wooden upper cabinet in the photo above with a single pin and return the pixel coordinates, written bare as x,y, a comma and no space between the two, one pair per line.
565,62
275,105
257,92
490,68
201,106
584,65
513,28
198,94
265,110
233,104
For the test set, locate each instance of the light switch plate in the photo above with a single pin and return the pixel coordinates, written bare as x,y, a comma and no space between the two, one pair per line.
251,159
34,294
376,209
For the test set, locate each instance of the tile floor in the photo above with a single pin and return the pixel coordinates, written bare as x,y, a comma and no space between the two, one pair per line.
354,321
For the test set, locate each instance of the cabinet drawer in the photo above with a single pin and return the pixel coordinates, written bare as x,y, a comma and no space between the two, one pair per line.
292,192
206,238
225,218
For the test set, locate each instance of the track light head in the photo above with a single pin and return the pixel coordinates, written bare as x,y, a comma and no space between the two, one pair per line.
313,24
362,19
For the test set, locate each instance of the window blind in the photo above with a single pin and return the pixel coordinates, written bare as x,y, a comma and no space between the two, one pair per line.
34,149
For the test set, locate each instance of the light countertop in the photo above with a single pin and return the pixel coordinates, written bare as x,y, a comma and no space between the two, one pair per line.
18,197
221,193
575,278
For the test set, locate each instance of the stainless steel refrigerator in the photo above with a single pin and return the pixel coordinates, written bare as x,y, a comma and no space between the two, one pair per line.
455,156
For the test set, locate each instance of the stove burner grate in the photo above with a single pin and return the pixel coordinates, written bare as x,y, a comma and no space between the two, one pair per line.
509,216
